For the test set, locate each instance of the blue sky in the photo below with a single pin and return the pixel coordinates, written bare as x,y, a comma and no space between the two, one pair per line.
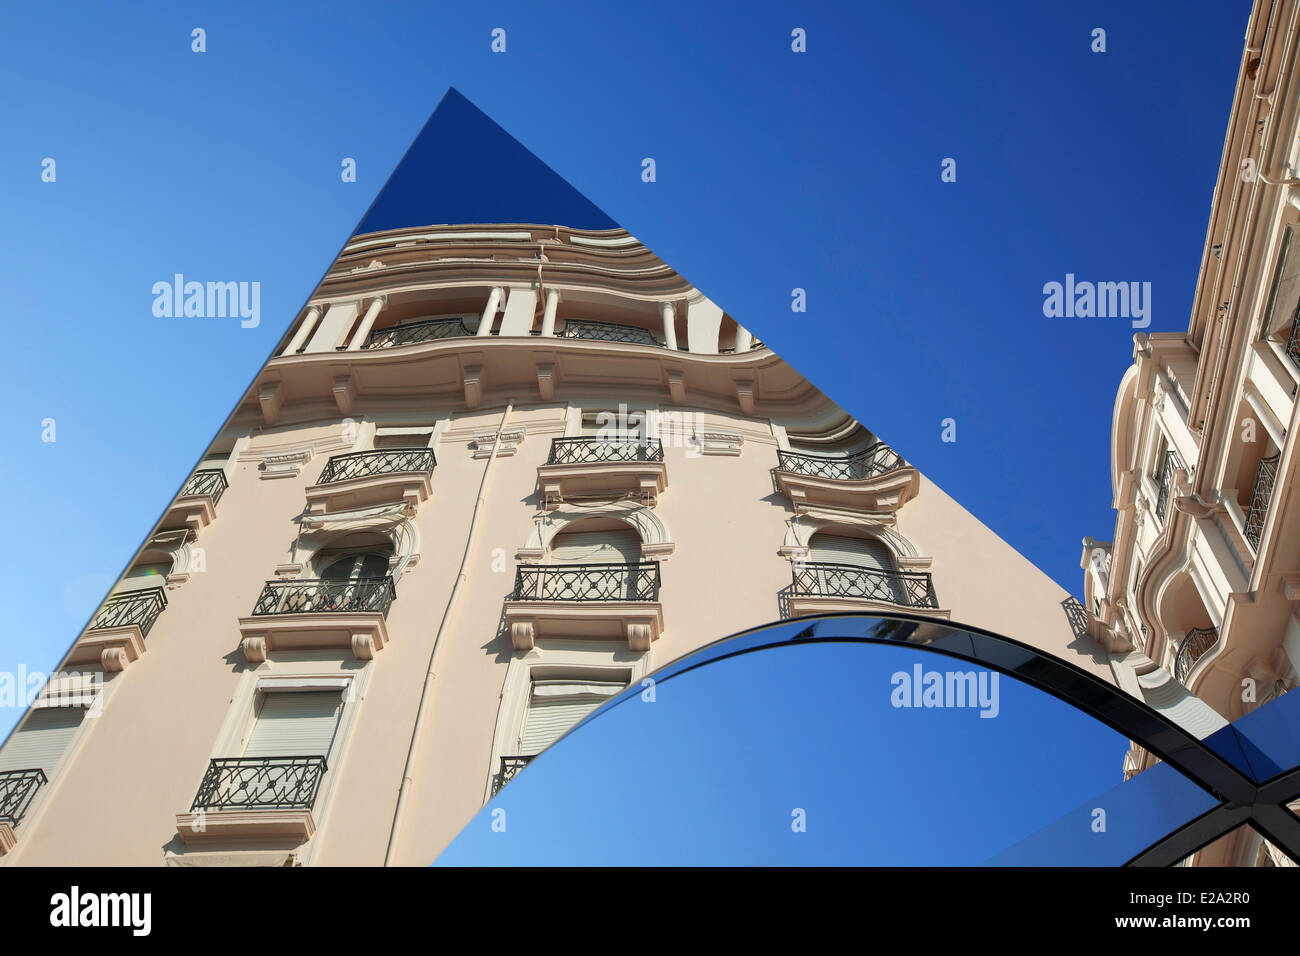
775,170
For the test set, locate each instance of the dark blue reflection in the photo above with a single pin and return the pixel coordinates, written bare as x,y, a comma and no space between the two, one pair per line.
1265,742
806,755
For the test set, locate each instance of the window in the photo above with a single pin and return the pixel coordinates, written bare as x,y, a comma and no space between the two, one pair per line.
621,425
294,724
610,546
355,566
144,574
403,436
42,740
555,706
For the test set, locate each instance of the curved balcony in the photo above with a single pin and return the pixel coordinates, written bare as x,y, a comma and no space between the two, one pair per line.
819,586
1195,645
586,600
602,467
364,478
310,613
115,635
609,332
414,333
196,506
267,799
876,479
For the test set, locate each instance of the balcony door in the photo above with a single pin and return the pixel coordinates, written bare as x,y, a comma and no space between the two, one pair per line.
554,706
41,741
610,550
295,724
877,580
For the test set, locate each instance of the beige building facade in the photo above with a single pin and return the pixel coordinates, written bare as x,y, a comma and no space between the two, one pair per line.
492,475
1199,588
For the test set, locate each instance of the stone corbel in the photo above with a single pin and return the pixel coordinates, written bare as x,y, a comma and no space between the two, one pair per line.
639,636
344,393
546,381
472,376
269,398
677,385
523,635
745,395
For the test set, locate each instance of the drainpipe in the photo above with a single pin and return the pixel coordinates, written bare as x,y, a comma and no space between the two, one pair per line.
417,729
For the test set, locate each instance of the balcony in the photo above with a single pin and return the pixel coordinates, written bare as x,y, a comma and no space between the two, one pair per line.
196,506
510,766
254,798
1198,641
873,480
820,586
602,467
1293,341
1261,495
17,790
115,635
599,601
1167,469
310,613
366,478
415,333
609,332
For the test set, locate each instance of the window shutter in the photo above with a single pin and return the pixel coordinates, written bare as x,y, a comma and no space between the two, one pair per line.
43,739
145,576
295,724
597,547
551,714
862,552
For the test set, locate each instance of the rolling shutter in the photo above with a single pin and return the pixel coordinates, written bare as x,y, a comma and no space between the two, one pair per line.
144,576
839,549
42,740
597,547
295,724
556,706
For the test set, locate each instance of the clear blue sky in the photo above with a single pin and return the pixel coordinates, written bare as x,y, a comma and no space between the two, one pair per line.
775,170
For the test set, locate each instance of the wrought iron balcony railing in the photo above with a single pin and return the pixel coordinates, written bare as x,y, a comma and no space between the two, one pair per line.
414,333
1265,478
260,783
1293,342
17,790
1194,646
367,464
876,460
209,481
609,332
825,579
316,596
509,767
587,582
1167,468
140,608
586,451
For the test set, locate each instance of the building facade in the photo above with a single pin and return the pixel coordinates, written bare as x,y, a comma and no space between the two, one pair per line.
492,475
1199,587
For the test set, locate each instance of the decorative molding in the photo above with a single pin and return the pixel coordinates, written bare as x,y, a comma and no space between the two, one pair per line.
719,442
287,464
511,439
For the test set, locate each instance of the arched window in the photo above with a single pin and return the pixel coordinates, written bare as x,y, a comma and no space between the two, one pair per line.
355,566
848,566
615,543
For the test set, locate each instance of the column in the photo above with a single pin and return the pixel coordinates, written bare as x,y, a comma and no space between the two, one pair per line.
548,315
376,306
669,312
490,312
304,330
744,340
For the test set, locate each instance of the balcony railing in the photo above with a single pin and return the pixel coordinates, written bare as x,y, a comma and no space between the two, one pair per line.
1195,644
587,582
1293,342
209,481
609,332
876,460
140,608
824,579
586,451
1265,478
316,596
509,767
1170,463
367,464
17,790
414,333
260,783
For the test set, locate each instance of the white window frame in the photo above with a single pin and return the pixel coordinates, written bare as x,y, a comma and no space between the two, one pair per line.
296,671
